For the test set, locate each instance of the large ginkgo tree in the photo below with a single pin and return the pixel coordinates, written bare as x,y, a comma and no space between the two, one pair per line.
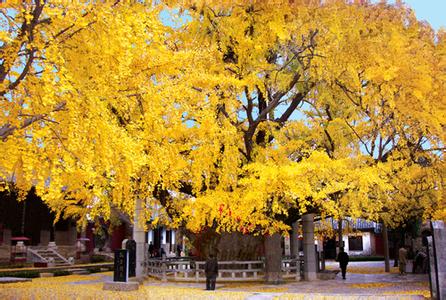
232,116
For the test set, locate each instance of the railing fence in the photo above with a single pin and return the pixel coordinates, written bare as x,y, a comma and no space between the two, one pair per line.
187,269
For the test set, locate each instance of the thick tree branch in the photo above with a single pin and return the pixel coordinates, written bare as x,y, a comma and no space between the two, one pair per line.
278,95
6,130
22,75
25,35
297,99
249,106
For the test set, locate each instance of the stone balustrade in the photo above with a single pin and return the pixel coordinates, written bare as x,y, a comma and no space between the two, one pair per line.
187,269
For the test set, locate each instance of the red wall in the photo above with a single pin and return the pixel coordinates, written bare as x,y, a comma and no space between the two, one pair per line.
117,237
89,234
379,245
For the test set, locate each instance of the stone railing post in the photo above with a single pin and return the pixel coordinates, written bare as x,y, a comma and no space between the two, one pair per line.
164,270
197,271
139,237
298,269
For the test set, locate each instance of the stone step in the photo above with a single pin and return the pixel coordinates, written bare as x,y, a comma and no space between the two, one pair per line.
55,256
50,254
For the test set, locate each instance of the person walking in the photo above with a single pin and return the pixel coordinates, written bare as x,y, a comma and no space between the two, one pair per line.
162,253
151,249
343,259
402,259
211,271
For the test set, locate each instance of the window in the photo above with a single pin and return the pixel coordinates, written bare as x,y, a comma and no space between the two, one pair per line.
355,243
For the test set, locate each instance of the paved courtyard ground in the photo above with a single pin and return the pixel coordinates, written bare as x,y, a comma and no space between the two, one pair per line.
365,280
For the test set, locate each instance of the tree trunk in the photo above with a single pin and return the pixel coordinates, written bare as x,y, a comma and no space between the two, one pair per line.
386,248
52,232
273,259
227,246
22,225
294,239
341,244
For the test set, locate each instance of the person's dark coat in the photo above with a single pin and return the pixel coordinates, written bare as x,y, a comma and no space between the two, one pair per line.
343,262
211,268
343,259
162,253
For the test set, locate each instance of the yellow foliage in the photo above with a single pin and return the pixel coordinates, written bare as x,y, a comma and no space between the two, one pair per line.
236,116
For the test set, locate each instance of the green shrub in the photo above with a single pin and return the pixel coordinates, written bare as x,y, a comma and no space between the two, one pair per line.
61,273
366,258
94,270
97,258
20,274
8,265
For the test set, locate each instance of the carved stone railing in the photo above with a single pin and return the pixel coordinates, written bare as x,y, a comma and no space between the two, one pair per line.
45,254
186,269
293,268
33,256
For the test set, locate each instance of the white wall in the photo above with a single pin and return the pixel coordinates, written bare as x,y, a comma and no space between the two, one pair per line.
367,244
150,237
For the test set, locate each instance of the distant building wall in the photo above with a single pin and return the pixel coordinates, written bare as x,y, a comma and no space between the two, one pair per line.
118,235
65,237
361,243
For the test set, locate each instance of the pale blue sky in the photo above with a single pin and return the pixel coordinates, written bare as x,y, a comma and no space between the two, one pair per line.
433,11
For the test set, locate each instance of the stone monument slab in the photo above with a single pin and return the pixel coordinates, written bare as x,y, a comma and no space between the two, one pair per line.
121,266
130,245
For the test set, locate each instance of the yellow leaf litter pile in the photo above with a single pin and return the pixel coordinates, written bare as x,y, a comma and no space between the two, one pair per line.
62,288
58,288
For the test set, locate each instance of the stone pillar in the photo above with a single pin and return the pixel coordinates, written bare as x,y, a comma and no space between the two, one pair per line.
439,260
139,237
340,239
432,271
294,239
310,266
287,245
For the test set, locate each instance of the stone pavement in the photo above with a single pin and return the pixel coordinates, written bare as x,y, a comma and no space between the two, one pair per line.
374,285
5,280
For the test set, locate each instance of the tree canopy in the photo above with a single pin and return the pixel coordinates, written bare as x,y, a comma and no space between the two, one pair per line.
230,115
